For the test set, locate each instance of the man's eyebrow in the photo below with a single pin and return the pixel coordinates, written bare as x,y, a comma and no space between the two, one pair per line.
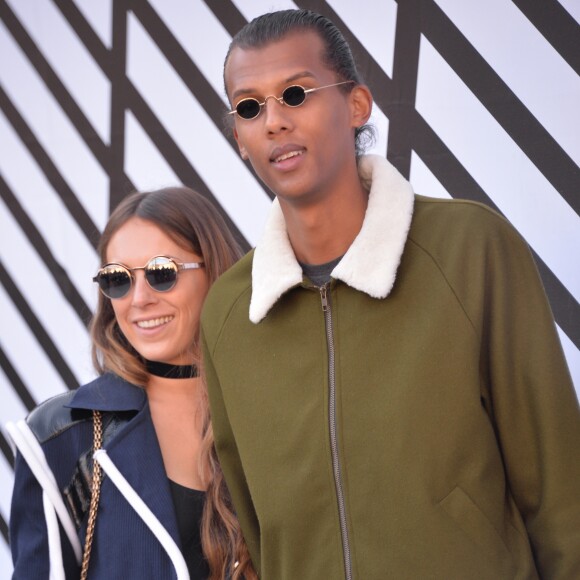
301,75
289,80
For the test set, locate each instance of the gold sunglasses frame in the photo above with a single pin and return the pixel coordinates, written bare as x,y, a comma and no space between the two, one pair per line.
280,99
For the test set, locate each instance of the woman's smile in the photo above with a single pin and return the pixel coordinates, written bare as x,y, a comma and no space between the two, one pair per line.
154,322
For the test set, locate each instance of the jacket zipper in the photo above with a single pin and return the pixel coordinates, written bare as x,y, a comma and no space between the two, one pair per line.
333,436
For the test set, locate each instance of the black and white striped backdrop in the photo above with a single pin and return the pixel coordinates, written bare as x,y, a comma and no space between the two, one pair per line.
473,99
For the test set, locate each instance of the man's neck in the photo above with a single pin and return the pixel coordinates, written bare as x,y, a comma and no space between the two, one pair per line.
323,231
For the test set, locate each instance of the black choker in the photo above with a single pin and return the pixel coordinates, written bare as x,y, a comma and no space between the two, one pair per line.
167,371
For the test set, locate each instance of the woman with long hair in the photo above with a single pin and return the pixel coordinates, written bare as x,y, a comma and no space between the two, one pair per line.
119,478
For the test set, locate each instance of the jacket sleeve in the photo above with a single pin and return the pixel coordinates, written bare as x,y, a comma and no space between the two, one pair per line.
533,404
28,529
230,460
29,541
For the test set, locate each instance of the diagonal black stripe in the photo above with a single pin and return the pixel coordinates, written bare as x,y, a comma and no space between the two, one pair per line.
55,86
228,14
112,63
68,289
37,329
6,451
50,170
117,71
191,76
401,110
459,183
174,156
16,382
557,26
4,529
539,146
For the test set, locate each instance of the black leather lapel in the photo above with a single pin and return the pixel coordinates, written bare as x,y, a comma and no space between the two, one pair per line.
78,492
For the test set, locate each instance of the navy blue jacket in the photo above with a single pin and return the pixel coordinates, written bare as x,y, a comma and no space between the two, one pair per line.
123,546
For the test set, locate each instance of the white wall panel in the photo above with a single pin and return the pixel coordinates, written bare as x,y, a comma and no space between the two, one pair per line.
510,179
100,15
53,129
27,357
43,295
537,74
374,24
423,180
197,28
12,407
45,208
145,165
69,58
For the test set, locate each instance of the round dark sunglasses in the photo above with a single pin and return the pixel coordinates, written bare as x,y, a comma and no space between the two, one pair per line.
292,96
115,280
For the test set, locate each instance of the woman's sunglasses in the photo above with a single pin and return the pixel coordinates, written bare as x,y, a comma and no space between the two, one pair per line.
115,280
293,96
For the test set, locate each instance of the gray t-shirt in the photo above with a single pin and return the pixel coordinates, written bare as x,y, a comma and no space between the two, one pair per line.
319,274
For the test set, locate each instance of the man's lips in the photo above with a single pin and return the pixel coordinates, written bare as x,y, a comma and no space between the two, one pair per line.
288,151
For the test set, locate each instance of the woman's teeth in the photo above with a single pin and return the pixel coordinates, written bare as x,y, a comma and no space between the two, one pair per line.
154,322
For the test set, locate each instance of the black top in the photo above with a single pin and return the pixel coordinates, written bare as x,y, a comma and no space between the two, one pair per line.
188,509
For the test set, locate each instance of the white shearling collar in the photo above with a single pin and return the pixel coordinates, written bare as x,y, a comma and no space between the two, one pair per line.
369,265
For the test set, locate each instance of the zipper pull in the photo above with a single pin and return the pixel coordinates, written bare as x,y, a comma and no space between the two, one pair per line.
324,298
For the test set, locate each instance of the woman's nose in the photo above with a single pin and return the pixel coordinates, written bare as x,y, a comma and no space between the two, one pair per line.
142,293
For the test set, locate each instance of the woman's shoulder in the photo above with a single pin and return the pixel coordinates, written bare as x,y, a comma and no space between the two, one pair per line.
64,411
54,416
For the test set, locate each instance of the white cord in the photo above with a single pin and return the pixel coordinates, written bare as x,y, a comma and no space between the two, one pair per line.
144,513
32,453
54,547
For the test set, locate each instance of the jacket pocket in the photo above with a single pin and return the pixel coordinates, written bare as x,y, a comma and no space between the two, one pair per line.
474,524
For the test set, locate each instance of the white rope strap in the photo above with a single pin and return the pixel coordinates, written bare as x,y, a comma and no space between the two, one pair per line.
31,451
144,513
54,547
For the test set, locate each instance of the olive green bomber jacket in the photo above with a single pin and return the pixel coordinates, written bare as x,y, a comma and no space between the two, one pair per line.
442,440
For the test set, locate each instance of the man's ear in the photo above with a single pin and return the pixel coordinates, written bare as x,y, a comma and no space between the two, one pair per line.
243,152
361,101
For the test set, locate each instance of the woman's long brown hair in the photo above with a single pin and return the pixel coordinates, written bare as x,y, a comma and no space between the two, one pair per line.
196,225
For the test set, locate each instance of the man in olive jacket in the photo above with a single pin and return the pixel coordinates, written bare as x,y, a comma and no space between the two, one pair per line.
389,396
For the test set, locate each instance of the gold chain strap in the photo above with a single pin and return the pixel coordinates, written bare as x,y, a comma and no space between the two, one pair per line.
95,493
